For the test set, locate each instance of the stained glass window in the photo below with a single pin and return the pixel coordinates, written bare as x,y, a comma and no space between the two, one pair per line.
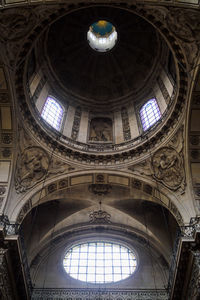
52,112
100,262
149,113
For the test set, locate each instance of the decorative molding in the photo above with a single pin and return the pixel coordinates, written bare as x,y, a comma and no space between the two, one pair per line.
125,124
100,189
85,294
194,140
6,138
99,217
76,123
190,230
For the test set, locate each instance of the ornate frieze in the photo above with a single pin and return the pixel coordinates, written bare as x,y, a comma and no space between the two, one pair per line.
98,294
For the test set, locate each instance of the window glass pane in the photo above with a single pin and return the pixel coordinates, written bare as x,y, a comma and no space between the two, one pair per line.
52,113
149,113
99,262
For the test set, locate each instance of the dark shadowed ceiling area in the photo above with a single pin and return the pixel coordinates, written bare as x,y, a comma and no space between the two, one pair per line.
102,78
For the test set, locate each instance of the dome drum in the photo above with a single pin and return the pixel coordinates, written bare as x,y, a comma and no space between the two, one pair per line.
118,117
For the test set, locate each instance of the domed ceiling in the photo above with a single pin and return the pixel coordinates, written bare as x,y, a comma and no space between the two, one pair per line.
100,91
102,79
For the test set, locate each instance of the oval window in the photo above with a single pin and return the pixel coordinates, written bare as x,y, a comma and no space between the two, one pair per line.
100,262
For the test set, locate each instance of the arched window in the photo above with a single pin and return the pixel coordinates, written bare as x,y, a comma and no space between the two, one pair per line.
149,113
52,112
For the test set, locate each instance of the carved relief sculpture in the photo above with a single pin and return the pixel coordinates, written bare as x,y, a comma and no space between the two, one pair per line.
101,130
34,165
168,167
99,217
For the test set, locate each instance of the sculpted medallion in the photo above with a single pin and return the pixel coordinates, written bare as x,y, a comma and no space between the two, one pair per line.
168,167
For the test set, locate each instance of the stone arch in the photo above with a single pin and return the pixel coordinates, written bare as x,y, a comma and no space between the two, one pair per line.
100,183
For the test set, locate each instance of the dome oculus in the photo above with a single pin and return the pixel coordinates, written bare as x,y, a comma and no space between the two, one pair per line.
100,262
102,36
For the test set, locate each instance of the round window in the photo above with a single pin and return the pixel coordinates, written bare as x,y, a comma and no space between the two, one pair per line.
102,36
100,262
